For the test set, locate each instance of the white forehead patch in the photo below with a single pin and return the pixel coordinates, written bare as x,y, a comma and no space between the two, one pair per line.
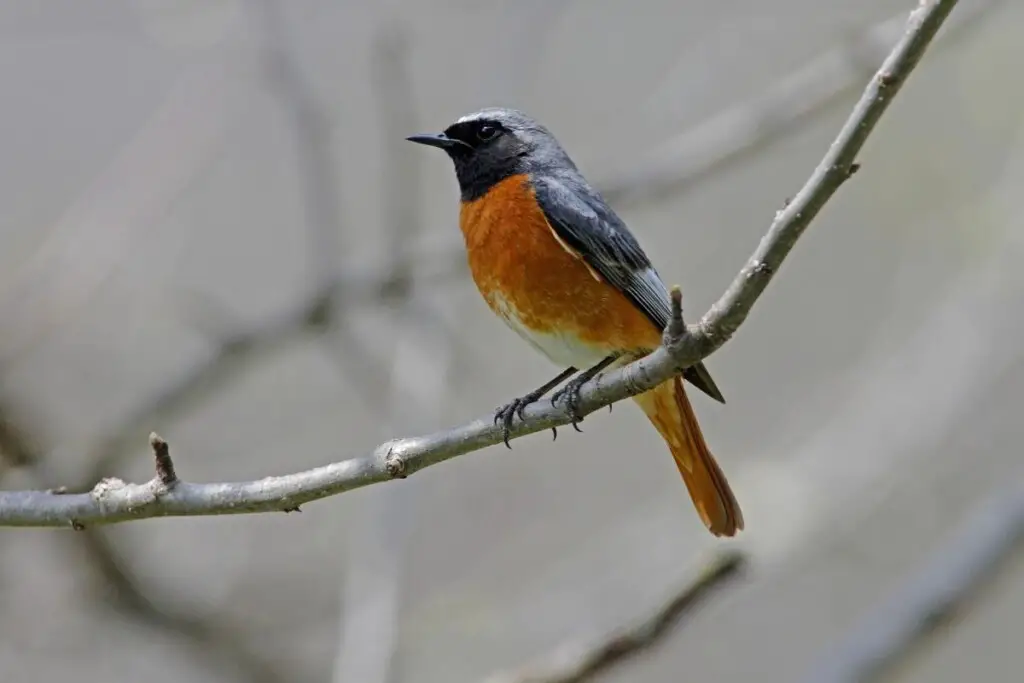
475,116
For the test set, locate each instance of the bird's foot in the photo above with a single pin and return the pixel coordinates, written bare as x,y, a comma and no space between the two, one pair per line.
508,412
571,393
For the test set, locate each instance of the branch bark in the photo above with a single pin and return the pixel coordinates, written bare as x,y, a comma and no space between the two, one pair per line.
114,501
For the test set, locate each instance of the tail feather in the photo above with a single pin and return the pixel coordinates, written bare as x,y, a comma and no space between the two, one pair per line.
669,409
699,377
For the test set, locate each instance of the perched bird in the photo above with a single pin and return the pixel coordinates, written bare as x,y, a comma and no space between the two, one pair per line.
553,260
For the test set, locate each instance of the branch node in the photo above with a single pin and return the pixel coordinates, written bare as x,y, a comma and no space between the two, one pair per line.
395,465
164,465
104,487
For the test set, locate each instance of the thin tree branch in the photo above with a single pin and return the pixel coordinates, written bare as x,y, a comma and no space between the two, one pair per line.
584,661
373,580
232,353
933,597
16,448
91,238
315,166
317,173
113,500
209,637
678,164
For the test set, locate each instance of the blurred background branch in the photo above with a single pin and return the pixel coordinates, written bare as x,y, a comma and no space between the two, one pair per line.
933,598
116,589
418,387
586,660
99,229
678,164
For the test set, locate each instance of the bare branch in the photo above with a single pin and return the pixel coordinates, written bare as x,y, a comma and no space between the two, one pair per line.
678,164
729,312
584,661
114,501
89,241
933,597
314,163
210,637
373,580
317,174
16,449
233,352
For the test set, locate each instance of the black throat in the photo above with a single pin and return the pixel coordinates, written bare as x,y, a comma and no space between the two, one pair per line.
478,175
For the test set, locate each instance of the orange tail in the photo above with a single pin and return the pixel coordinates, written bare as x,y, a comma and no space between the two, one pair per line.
669,409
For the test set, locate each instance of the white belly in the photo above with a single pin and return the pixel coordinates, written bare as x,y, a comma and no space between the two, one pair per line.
564,350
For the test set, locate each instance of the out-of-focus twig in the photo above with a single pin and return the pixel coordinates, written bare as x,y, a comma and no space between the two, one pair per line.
318,180
16,447
582,662
231,354
682,347
400,187
210,638
319,183
933,597
681,162
371,587
95,233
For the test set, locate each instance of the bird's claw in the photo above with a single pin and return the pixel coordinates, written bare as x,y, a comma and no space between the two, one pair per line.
508,412
571,393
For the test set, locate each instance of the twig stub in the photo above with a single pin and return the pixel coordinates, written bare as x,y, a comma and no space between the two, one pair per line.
676,329
164,465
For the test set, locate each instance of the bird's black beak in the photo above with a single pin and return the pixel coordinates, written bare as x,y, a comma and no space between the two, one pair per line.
435,140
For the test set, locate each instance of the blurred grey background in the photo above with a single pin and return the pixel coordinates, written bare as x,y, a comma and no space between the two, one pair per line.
213,228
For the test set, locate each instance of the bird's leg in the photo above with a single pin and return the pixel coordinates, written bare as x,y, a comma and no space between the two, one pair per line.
507,412
571,391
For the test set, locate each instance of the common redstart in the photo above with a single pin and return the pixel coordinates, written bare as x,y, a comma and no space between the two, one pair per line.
553,261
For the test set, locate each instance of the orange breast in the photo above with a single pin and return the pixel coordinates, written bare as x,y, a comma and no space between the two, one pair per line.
523,269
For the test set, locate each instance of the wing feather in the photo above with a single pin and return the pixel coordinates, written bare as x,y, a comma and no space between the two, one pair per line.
593,230
583,221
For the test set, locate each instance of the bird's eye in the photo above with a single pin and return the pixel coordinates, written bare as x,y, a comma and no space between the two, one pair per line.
486,132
